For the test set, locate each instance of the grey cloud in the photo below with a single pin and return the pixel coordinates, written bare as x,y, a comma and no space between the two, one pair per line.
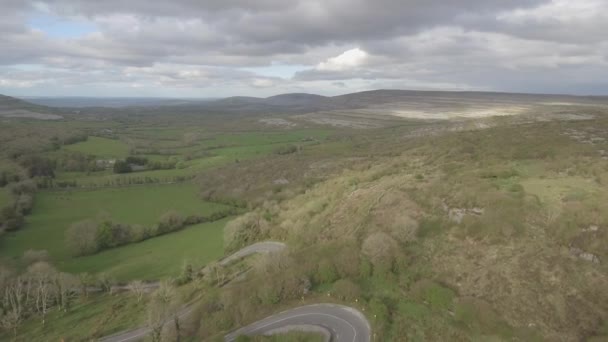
485,44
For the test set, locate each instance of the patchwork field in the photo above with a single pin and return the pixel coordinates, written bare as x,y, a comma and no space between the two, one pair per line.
54,212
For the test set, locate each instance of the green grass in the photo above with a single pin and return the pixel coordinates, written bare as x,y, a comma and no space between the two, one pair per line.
101,147
296,336
97,316
551,191
54,212
158,257
241,146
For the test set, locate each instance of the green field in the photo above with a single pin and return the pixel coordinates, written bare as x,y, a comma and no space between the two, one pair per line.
54,212
101,147
158,257
222,149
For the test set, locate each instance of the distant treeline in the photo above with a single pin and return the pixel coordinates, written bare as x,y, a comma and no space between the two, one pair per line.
12,215
49,183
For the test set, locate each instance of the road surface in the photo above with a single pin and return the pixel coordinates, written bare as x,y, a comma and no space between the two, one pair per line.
343,323
140,333
260,247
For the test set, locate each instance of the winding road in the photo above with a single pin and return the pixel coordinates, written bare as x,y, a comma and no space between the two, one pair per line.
140,333
337,322
340,323
260,247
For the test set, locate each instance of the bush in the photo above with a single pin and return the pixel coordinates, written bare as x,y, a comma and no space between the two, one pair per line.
11,219
326,272
381,249
347,290
244,230
110,234
121,166
136,160
170,222
286,150
32,256
81,238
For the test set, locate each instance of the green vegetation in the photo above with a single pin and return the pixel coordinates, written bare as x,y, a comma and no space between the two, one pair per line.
436,230
286,337
54,212
96,316
101,147
155,258
5,198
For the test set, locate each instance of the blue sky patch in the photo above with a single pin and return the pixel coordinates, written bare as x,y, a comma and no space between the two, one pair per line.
60,27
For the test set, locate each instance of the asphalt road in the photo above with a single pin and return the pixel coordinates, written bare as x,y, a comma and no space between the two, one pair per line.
260,247
343,323
140,333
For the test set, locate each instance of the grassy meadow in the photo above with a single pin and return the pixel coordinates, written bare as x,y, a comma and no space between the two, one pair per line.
156,258
101,147
55,211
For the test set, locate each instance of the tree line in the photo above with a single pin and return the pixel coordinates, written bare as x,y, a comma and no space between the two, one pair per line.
92,236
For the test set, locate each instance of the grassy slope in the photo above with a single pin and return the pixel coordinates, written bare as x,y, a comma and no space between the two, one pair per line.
88,318
54,212
101,147
223,148
505,274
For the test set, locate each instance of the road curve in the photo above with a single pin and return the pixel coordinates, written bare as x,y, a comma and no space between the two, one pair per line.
142,332
260,247
344,324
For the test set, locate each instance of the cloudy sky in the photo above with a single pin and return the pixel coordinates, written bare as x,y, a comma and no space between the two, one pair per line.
214,48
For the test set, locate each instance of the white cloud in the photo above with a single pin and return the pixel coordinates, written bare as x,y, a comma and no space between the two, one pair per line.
262,83
348,60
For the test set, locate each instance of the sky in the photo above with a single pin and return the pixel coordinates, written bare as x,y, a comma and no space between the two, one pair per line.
218,48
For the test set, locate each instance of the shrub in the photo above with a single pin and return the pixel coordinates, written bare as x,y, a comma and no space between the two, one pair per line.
32,256
243,230
81,237
170,222
286,150
347,290
326,272
11,219
380,248
121,166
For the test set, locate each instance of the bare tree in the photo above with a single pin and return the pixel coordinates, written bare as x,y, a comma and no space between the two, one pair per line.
86,280
137,288
64,283
162,308
43,275
14,305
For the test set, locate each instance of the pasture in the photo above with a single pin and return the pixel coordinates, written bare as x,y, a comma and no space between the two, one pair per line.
100,147
54,212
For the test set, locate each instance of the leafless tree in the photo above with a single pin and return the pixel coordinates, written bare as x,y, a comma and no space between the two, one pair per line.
162,308
14,305
64,283
43,275
137,288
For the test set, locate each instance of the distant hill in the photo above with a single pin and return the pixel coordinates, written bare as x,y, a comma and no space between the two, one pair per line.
301,103
110,102
11,107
